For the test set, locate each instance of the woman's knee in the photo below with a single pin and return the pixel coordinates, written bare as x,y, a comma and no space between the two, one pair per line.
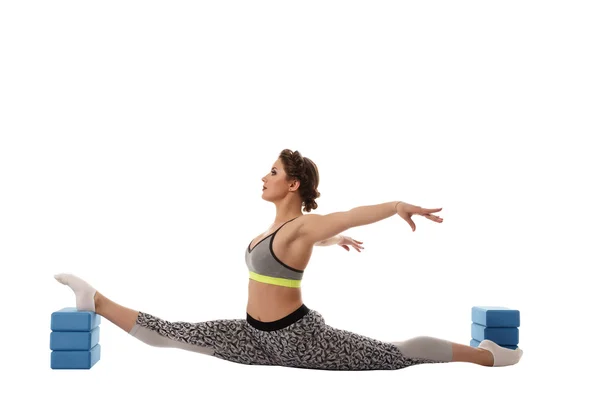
156,339
426,347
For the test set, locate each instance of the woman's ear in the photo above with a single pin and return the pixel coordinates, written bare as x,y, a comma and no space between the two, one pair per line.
294,185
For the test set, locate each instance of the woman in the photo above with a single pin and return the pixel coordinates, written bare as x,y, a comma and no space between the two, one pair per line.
279,329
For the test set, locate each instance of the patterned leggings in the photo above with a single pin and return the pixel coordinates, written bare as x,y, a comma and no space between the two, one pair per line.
300,340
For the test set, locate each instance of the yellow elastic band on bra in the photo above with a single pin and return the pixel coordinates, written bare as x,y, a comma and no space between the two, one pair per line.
275,281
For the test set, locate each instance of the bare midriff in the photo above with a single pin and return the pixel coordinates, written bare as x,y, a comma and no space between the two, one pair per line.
269,303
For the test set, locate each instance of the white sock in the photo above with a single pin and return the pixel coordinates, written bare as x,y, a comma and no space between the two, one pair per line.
84,293
502,355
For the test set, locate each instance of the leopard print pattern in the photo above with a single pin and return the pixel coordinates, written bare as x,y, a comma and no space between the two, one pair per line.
229,339
308,343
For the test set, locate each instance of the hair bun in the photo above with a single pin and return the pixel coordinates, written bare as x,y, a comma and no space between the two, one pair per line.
303,169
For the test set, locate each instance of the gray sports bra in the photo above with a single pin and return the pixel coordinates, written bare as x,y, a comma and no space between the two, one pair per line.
264,266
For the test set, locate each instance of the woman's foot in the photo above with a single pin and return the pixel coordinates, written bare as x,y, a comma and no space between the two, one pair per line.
84,293
502,355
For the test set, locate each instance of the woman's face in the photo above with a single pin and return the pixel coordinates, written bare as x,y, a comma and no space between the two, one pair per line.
275,183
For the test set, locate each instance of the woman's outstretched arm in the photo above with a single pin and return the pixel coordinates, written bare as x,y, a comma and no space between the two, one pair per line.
316,228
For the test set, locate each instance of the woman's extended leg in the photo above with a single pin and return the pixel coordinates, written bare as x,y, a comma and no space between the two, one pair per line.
230,339
488,354
87,298
311,343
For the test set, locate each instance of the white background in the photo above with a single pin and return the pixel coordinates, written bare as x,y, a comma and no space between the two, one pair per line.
134,136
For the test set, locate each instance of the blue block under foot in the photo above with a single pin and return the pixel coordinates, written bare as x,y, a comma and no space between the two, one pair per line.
75,359
70,319
74,340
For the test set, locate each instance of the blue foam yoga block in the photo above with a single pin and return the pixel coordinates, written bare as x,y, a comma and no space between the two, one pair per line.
500,336
69,319
75,359
74,340
497,317
475,343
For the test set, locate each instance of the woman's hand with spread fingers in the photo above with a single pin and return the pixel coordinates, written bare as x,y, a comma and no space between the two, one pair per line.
346,242
406,211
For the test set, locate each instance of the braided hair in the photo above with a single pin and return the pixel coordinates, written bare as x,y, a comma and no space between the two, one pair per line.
306,172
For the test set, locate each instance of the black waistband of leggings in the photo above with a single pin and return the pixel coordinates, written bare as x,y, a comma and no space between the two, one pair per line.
280,323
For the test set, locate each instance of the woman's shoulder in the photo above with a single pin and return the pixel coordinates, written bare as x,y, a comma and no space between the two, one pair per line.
291,229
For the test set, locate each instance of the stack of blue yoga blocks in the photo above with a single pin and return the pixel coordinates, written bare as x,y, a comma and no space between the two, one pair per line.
75,339
498,324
